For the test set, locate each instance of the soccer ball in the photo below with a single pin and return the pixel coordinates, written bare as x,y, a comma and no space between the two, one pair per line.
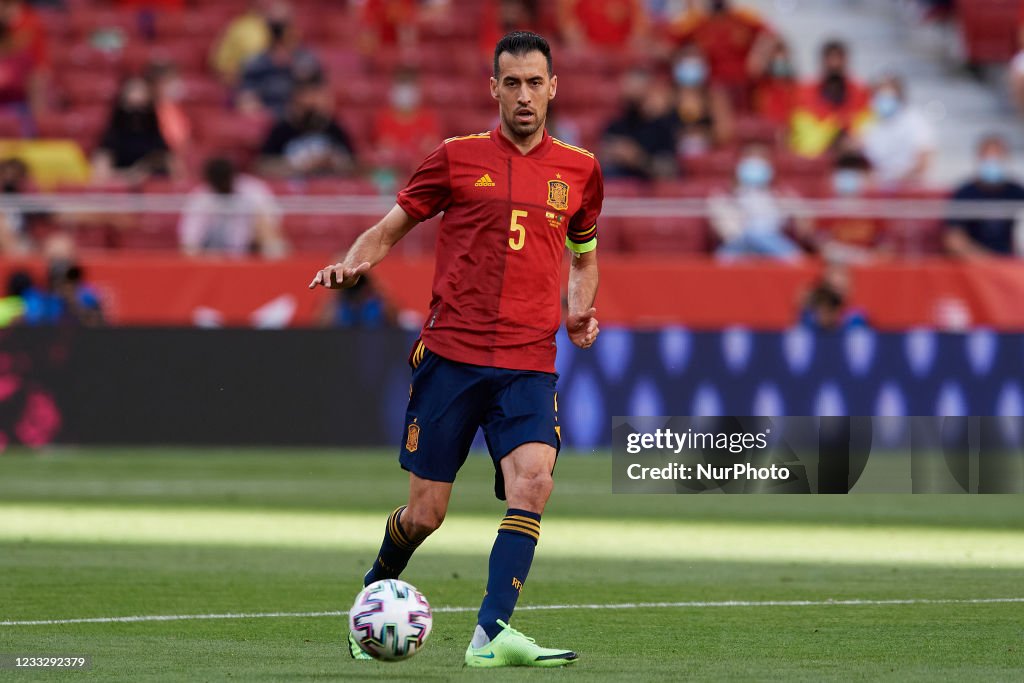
390,620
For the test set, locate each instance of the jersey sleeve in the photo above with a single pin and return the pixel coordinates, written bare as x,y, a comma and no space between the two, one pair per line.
582,234
429,190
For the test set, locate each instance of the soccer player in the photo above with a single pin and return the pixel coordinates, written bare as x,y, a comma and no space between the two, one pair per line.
511,198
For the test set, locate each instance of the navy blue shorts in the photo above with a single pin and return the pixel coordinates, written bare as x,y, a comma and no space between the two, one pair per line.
450,400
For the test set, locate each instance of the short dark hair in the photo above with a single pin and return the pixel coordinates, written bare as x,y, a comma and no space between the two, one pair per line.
833,45
219,174
520,43
852,161
992,140
825,295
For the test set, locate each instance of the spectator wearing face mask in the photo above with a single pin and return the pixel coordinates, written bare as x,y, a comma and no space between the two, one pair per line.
641,142
850,237
775,80
704,111
269,78
726,35
975,237
830,109
900,141
133,147
405,131
750,221
308,141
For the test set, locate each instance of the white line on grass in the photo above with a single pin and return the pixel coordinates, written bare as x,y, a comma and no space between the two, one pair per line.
449,610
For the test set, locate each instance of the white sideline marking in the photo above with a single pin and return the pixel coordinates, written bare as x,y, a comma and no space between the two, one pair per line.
528,608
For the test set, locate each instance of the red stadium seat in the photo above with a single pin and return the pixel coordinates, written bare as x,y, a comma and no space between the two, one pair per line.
184,54
224,130
79,87
667,235
11,125
204,90
755,129
88,19
323,233
990,29
57,24
792,165
84,125
715,164
626,187
466,122
84,56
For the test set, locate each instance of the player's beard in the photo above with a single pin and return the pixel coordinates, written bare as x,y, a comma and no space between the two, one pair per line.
525,130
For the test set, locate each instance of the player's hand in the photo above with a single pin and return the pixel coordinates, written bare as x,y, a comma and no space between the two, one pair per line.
582,328
338,276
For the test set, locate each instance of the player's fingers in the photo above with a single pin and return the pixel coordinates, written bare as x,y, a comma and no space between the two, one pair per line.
590,314
318,279
333,280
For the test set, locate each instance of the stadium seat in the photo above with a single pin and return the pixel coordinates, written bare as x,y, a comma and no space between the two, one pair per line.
204,90
11,125
84,125
749,129
990,29
88,19
78,87
666,235
793,165
224,130
341,63
184,54
323,233
716,164
152,231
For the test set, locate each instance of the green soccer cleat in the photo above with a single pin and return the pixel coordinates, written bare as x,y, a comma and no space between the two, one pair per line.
354,649
512,648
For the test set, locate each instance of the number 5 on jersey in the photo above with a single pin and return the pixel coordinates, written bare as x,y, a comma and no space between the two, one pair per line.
518,231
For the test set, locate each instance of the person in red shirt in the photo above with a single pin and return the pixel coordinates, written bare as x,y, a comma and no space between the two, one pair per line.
726,35
512,198
24,60
406,130
830,109
776,86
603,23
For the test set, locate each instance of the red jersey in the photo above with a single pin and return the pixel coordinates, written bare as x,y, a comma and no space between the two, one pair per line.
507,218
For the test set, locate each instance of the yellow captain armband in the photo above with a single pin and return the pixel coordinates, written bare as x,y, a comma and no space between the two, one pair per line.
578,248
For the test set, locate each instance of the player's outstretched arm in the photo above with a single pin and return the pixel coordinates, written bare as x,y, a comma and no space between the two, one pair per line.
581,323
369,250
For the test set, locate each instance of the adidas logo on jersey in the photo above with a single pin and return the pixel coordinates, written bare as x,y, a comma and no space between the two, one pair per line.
484,181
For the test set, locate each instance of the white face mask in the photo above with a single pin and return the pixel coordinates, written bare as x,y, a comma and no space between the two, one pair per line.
405,97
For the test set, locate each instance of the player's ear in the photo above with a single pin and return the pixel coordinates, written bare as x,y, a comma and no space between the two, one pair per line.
554,87
494,87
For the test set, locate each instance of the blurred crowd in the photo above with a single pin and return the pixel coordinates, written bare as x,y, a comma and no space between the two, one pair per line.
240,101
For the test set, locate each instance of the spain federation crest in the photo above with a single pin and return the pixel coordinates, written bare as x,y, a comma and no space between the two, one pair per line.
412,441
558,194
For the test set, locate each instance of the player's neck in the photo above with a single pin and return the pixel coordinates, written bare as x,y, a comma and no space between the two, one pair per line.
524,145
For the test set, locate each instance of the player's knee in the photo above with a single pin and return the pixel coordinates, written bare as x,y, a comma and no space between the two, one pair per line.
533,489
420,522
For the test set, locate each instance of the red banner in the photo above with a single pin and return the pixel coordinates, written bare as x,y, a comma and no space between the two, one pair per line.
142,289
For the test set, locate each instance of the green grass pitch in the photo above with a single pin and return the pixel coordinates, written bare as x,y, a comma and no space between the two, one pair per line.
87,534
